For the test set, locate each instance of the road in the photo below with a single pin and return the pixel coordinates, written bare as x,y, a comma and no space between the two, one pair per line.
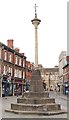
6,104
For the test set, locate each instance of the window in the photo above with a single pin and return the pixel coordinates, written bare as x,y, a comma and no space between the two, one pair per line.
4,72
56,76
10,58
50,77
23,63
20,74
15,73
16,60
23,75
20,61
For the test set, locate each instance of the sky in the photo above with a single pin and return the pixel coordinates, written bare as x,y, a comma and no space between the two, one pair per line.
15,23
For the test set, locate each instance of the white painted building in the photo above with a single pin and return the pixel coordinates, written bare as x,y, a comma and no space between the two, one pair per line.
62,63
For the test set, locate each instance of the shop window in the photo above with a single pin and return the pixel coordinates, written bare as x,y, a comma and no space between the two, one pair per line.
56,76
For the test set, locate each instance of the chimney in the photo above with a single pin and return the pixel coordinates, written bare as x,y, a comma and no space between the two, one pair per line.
17,50
10,43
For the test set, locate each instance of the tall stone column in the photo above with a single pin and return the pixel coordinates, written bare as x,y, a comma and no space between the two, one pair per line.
36,48
36,22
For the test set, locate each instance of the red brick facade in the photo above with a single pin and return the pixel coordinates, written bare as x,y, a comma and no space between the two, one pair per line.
29,70
11,61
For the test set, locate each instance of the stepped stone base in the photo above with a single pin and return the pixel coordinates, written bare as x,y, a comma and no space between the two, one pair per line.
36,101
35,107
36,94
37,112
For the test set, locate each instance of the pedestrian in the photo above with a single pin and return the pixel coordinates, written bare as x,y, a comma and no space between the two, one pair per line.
17,92
27,86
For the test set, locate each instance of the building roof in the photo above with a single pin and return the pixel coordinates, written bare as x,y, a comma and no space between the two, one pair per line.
51,69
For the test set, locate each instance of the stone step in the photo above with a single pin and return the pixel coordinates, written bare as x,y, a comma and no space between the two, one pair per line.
35,107
36,94
47,113
35,100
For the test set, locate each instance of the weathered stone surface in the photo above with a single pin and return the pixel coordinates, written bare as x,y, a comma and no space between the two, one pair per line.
26,107
35,107
36,94
36,82
37,100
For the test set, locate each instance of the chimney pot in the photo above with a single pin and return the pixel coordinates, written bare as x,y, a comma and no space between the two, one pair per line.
10,43
17,50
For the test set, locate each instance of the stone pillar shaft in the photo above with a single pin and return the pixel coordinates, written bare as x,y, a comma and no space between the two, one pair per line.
36,48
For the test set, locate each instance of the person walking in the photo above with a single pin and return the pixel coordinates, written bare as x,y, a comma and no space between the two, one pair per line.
17,92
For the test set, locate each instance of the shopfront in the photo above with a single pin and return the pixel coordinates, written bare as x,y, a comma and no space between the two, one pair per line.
18,87
7,87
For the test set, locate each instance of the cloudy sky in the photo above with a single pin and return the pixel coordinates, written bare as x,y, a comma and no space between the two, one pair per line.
15,23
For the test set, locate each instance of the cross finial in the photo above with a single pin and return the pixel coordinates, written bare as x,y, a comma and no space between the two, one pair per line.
35,9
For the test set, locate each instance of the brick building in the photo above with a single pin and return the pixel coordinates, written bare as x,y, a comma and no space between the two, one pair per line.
28,70
66,76
62,63
13,69
51,77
